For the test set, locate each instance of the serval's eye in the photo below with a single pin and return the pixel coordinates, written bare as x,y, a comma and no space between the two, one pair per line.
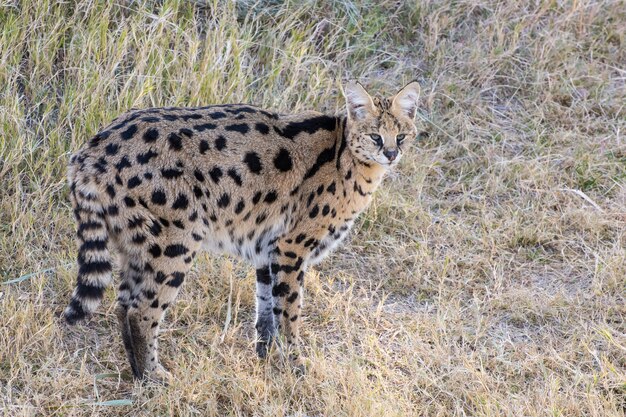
400,138
378,140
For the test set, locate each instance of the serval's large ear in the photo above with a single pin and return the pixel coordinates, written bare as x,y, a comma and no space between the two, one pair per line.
405,102
359,103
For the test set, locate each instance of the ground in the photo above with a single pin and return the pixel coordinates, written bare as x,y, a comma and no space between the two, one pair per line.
488,277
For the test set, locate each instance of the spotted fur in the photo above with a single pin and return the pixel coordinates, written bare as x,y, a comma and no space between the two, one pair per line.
280,191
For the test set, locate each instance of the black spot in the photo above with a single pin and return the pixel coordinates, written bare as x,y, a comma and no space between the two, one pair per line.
129,133
138,239
314,211
150,119
133,182
112,148
204,146
217,115
170,117
283,161
205,126
300,238
181,202
199,176
171,173
291,299
155,229
176,142
187,132
326,210
309,126
239,207
220,143
172,251
240,127
155,251
254,162
147,175
280,290
177,279
123,163
135,222
290,254
197,191
262,128
113,210
223,201
150,135
232,172
260,218
129,202
160,277
270,197
178,224
215,174
320,189
158,197
110,190
332,188
257,197
194,116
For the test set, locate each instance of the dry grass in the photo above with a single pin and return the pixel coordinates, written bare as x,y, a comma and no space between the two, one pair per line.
488,278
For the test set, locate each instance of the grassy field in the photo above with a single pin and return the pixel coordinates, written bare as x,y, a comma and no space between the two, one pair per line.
488,277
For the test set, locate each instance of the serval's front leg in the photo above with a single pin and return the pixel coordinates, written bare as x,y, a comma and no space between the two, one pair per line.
288,267
265,323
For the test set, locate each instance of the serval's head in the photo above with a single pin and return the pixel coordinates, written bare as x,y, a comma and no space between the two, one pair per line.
380,129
